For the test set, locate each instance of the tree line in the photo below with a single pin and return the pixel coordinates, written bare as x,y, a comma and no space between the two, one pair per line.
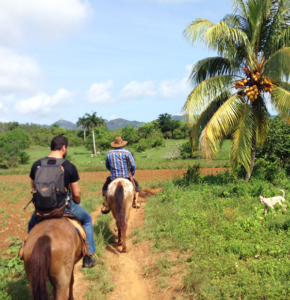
92,133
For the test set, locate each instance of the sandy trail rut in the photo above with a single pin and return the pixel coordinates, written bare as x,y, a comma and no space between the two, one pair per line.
126,268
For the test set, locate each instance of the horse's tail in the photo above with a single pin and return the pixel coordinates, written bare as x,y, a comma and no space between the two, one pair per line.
39,266
119,194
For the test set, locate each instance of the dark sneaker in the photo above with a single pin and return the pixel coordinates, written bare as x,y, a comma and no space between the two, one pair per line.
89,262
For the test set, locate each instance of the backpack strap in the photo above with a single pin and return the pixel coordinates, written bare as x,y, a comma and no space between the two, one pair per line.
58,161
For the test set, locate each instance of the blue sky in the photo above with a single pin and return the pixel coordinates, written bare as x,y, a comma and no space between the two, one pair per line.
122,59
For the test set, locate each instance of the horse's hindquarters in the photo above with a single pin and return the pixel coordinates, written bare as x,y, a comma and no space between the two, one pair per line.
64,249
120,199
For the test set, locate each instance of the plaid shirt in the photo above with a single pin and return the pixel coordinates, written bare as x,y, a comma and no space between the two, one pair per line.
120,161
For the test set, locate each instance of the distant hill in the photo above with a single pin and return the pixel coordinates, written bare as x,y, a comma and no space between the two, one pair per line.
120,123
113,124
66,124
179,118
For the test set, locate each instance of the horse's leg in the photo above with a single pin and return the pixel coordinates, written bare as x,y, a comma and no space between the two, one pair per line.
119,236
62,282
71,292
123,231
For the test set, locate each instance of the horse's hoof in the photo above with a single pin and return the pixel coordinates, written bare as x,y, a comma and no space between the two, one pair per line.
105,210
124,250
119,243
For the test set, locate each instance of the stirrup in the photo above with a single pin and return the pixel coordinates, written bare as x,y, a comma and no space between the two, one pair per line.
105,210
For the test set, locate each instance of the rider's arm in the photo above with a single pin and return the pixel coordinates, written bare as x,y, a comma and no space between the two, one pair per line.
76,192
132,163
32,183
108,163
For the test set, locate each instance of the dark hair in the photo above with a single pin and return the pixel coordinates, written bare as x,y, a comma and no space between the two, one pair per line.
58,142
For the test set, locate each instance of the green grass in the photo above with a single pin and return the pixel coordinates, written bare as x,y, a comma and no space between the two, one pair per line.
99,277
232,250
150,159
13,284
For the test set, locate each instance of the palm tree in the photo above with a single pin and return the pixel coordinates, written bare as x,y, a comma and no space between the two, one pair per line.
91,122
82,122
231,90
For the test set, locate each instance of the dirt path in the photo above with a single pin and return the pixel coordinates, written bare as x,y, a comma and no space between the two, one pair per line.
128,268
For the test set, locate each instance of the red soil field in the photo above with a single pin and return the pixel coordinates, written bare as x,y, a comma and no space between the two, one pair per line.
15,194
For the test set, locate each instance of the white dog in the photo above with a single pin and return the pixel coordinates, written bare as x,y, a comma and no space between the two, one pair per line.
271,202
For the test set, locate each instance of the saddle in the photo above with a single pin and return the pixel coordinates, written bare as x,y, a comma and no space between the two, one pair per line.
78,228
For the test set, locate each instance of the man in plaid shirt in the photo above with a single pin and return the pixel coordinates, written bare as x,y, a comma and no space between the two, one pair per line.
120,163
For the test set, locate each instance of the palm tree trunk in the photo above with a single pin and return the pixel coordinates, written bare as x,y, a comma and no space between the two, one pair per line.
93,131
84,134
253,156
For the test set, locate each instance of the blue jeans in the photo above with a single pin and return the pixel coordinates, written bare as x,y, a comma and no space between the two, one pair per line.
80,214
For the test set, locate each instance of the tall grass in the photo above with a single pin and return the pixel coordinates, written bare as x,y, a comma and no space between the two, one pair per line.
233,251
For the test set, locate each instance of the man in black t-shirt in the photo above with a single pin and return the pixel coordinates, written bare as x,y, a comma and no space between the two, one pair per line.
59,148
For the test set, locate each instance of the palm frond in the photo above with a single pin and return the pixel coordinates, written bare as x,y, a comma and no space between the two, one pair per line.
220,124
285,85
242,139
277,66
210,67
220,33
219,37
196,29
240,7
281,100
277,33
204,93
206,115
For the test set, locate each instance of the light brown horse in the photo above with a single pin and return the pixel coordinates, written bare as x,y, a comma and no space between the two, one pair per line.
51,250
120,198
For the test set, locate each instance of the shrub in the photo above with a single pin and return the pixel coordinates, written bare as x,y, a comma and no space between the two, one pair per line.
276,148
186,151
12,145
24,158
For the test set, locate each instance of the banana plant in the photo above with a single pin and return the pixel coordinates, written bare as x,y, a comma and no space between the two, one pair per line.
251,70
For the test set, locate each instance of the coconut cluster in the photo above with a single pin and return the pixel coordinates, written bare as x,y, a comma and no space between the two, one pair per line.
252,92
254,84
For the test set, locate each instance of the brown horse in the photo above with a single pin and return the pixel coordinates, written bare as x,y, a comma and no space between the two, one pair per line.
120,198
51,250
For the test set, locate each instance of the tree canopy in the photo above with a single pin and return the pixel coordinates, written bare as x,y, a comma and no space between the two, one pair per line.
231,89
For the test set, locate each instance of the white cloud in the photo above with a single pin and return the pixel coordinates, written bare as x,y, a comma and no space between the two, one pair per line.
99,93
173,88
136,89
113,117
42,18
166,89
3,109
42,104
17,72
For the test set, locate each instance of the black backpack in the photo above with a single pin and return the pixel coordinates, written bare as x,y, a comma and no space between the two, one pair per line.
50,192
